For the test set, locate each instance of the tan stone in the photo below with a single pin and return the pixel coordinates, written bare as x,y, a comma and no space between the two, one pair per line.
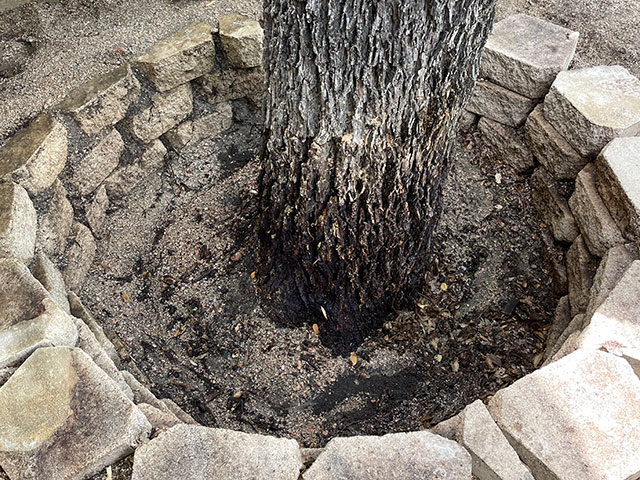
618,181
552,207
103,101
168,109
524,54
598,228
96,211
234,84
55,221
592,106
577,418
178,412
35,156
507,144
187,451
550,148
399,455
183,56
142,394
18,222
561,319
79,256
93,169
566,342
62,417
581,269
159,419
51,278
499,104
241,39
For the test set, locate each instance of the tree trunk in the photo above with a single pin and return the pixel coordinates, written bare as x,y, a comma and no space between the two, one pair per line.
362,103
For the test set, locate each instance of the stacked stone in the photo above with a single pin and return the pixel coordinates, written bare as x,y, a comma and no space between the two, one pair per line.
522,57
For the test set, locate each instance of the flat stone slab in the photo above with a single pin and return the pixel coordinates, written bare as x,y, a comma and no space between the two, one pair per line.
499,104
78,310
94,168
35,156
168,109
577,418
208,126
62,417
55,220
592,106
180,58
565,344
492,456
79,256
507,144
96,211
241,39
598,228
160,420
18,222
51,278
398,455
553,208
187,451
103,101
581,270
550,148
616,322
612,266
618,181
524,54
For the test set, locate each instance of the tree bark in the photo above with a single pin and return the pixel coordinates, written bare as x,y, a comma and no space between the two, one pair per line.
362,103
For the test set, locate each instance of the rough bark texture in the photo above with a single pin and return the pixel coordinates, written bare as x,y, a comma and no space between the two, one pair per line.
362,102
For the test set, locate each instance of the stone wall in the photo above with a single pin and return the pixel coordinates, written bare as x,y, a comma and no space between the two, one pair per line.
67,411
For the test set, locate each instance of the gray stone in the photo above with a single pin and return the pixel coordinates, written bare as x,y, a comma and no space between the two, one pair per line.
35,156
592,106
556,262
168,109
550,148
51,278
18,222
553,209
581,269
55,221
103,101
122,181
524,54
159,419
310,455
561,319
398,455
194,131
234,84
178,412
180,136
62,417
142,394
188,451
616,322
577,418
499,104
79,256
507,144
180,58
93,169
78,310
618,181
241,39
598,228
613,265
96,211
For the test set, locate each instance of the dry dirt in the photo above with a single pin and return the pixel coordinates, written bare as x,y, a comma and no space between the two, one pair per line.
173,282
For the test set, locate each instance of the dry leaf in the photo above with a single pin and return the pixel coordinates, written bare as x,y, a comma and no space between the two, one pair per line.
455,365
537,360
253,275
315,328
237,394
125,297
324,312
438,358
444,287
353,359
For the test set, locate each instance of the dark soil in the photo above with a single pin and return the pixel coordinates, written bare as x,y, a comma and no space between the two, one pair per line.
173,282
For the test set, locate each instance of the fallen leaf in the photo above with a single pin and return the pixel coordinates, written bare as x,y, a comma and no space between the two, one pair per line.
126,297
237,394
537,359
438,358
253,275
353,359
315,328
324,312
455,365
444,287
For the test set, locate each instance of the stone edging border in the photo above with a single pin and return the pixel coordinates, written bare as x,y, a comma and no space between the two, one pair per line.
67,411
